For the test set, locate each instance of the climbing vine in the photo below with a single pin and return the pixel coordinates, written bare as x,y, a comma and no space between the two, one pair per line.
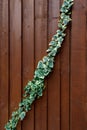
34,89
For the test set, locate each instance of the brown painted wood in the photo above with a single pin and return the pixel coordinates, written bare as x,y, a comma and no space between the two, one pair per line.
65,81
28,54
65,88
26,27
15,55
78,94
54,78
40,51
4,63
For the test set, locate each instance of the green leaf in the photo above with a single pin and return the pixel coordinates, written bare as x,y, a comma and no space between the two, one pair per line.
8,126
49,49
45,59
14,113
53,52
39,73
51,64
40,65
60,39
60,25
52,43
47,71
35,87
22,115
40,93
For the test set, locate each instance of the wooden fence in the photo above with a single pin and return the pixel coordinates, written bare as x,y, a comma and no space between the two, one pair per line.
26,27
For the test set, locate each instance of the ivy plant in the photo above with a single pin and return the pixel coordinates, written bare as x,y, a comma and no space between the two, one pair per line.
34,89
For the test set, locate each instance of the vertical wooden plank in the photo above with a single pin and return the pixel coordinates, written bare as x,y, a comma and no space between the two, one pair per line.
65,78
40,51
79,67
28,54
4,74
65,84
15,55
54,78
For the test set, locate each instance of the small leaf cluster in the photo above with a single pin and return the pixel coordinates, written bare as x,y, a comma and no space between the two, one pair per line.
34,89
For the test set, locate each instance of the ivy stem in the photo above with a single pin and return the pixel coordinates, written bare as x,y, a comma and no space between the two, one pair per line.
34,89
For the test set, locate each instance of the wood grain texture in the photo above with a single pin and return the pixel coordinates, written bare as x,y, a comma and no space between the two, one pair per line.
65,80
40,51
28,54
4,63
54,78
79,67
26,28
65,85
15,55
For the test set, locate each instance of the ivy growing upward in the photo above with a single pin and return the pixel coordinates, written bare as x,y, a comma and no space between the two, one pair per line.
34,89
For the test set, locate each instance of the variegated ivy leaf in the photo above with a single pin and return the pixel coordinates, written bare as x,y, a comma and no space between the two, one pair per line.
39,73
40,65
53,43
34,89
22,115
